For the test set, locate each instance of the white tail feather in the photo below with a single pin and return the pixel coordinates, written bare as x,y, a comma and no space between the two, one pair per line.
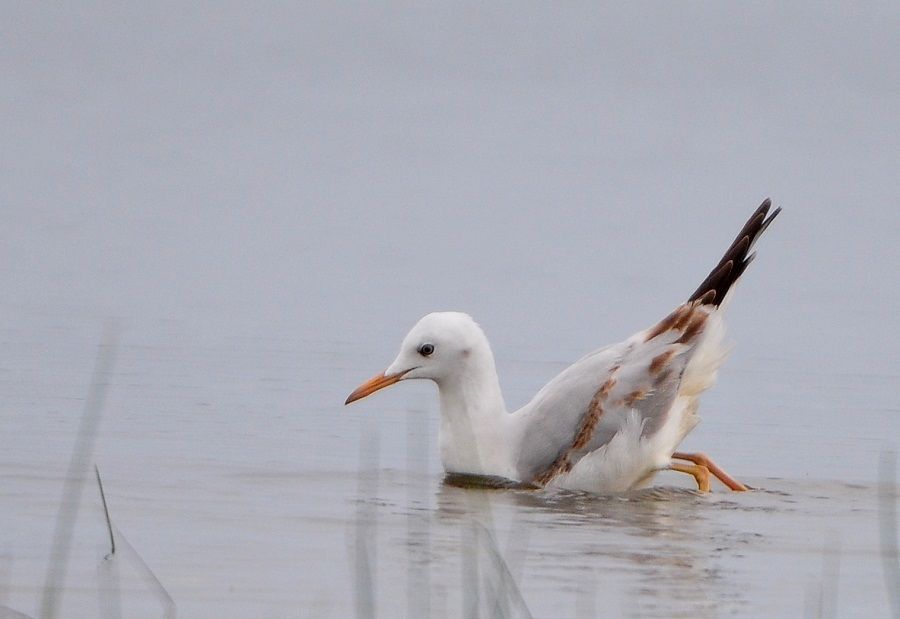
709,355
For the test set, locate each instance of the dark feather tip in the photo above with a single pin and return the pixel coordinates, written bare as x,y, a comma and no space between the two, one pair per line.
736,258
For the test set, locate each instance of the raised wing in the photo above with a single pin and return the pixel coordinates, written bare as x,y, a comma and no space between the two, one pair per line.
588,403
580,410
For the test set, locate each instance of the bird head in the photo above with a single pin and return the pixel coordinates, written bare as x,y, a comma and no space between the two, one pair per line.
441,345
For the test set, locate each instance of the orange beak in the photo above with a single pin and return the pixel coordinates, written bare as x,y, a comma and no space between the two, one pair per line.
374,384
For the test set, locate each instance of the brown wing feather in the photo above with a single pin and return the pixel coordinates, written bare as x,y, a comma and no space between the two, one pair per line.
736,259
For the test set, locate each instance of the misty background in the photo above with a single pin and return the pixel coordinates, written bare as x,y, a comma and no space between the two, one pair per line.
265,198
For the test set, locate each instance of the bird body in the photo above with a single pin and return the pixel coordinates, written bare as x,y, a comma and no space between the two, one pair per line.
606,423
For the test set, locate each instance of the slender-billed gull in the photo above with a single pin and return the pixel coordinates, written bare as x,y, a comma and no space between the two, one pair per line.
609,421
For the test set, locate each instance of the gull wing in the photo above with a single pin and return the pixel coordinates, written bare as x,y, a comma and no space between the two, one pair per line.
584,407
581,409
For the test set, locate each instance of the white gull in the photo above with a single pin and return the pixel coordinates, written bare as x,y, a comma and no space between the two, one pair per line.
609,421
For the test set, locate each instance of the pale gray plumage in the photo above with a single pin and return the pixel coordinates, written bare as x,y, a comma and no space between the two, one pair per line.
553,416
609,421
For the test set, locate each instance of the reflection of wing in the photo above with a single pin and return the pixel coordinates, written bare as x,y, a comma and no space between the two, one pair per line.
584,407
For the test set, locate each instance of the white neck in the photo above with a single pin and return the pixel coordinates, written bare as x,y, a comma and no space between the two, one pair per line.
474,423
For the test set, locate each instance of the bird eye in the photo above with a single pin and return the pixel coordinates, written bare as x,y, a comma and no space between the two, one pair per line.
426,349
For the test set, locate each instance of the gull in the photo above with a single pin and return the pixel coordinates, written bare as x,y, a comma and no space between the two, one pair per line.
609,422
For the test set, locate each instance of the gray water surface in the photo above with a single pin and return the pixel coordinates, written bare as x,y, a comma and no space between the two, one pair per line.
263,200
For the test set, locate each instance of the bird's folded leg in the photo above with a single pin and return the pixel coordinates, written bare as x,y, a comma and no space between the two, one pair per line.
698,471
703,460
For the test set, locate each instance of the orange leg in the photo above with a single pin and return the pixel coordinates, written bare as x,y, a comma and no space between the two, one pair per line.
704,460
699,472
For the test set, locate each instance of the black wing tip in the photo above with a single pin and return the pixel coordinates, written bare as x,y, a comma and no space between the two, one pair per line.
708,298
736,258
